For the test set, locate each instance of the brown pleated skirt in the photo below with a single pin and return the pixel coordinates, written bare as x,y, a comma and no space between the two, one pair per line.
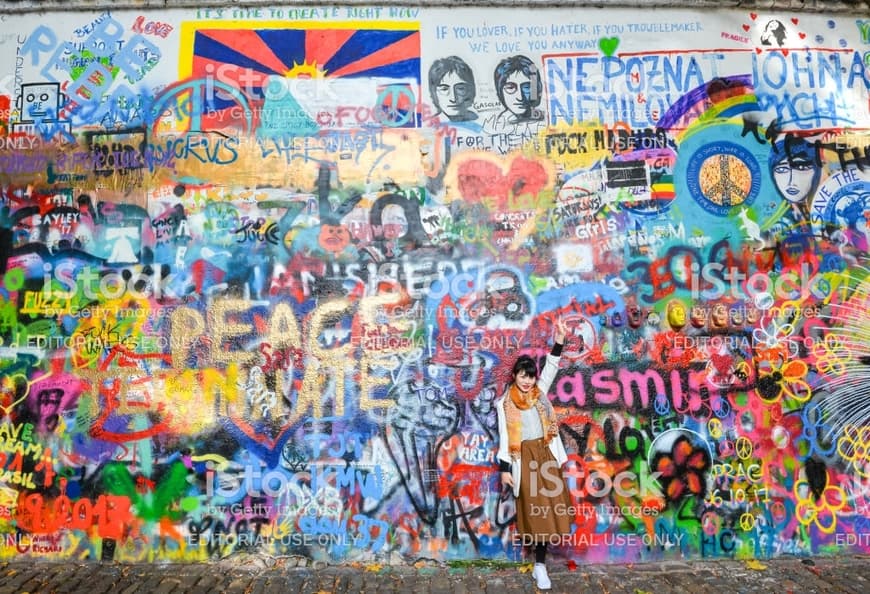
544,508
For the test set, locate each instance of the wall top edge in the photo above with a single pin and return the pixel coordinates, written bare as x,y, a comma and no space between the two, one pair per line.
832,7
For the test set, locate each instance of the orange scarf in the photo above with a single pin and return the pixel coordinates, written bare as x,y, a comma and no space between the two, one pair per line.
516,402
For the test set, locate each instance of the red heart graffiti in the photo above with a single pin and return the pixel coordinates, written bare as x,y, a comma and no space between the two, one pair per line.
746,27
802,35
784,52
480,178
795,20
758,50
753,16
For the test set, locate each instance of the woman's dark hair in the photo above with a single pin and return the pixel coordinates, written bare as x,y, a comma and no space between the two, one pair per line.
526,365
795,149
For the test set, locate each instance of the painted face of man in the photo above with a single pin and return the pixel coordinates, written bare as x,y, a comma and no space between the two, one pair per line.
517,92
676,315
454,95
334,238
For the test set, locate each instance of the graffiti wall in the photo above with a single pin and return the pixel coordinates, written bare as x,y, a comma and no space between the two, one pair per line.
265,272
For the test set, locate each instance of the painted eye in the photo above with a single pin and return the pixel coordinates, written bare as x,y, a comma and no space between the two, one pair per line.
43,97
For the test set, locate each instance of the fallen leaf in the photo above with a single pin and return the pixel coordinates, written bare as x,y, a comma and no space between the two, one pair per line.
526,568
756,565
639,591
374,567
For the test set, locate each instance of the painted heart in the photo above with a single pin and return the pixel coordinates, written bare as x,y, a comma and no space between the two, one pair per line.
784,52
484,178
11,387
608,45
802,35
753,16
746,27
758,50
795,20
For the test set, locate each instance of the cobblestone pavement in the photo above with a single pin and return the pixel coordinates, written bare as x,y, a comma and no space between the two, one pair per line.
299,576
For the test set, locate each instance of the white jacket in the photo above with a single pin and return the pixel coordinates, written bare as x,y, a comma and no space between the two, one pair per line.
557,448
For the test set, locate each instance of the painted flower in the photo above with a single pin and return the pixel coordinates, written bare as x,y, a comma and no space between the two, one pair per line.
854,446
683,470
774,340
821,511
832,354
785,379
815,433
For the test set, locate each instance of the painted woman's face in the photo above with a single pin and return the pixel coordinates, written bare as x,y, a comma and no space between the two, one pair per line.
394,221
517,92
794,180
454,95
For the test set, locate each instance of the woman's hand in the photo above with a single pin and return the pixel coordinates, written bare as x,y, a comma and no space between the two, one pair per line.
507,480
561,331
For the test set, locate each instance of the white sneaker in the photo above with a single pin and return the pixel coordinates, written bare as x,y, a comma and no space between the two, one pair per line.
542,580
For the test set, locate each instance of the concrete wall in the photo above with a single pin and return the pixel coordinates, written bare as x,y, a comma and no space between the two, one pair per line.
266,269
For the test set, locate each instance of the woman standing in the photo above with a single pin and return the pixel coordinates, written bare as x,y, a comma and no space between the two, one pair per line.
531,455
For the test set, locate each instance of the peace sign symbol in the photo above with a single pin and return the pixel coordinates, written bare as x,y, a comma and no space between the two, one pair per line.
192,98
662,406
714,426
396,106
722,408
725,180
711,522
743,447
747,521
